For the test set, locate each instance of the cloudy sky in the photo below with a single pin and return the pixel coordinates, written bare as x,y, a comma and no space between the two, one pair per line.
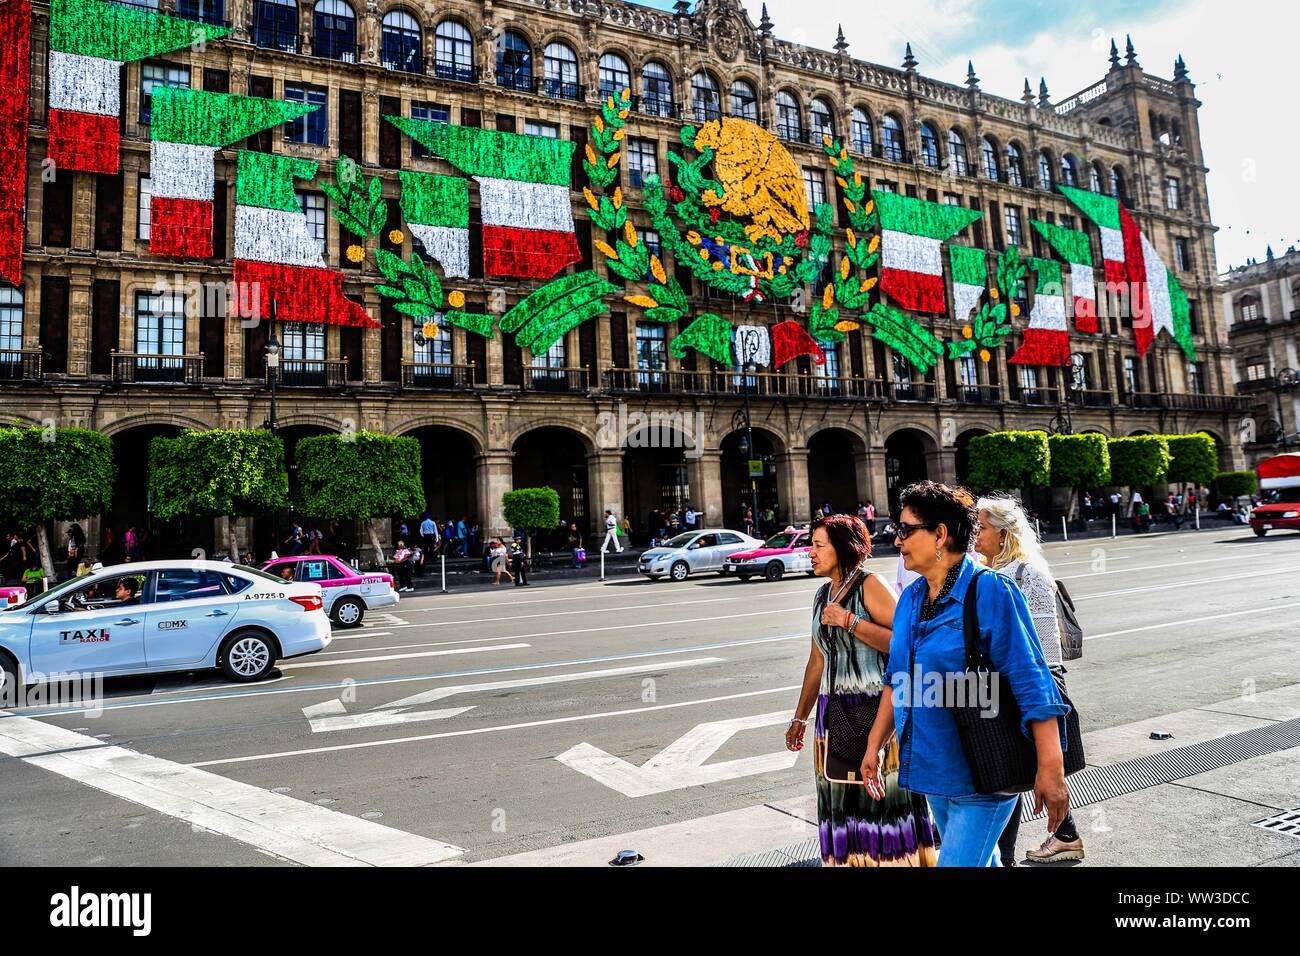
1237,55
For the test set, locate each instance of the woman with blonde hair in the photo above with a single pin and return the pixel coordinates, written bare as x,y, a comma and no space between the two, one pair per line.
1007,541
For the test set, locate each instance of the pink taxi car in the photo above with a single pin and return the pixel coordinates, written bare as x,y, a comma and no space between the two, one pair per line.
11,596
786,551
347,592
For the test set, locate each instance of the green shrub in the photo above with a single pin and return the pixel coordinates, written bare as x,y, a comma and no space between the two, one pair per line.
1138,461
1008,460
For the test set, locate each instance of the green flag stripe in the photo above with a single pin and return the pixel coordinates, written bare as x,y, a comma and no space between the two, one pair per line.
490,152
1103,210
1070,244
918,217
1048,271
266,180
201,118
112,31
968,266
432,200
1182,316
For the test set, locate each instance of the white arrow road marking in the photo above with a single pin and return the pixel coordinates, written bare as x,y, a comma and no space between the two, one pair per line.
271,822
332,715
382,619
681,763
402,657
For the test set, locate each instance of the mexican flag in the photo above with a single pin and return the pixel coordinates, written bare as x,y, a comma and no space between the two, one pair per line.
1073,246
188,128
89,42
275,254
1046,339
911,233
15,83
437,210
970,277
1156,300
524,199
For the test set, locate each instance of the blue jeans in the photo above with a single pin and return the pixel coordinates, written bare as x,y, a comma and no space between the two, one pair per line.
969,827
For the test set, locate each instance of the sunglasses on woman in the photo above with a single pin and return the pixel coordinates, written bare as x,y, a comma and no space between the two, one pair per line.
903,530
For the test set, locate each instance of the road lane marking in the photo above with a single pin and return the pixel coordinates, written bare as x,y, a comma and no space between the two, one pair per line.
403,657
568,612
1196,583
253,758
378,681
620,627
398,647
666,592
1192,621
287,828
332,715
681,763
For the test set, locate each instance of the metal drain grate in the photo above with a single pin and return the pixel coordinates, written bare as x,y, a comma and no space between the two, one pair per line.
1286,823
804,853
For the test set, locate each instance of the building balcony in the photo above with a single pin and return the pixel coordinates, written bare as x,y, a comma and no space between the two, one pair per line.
146,368
1252,385
1039,396
413,64
456,72
560,379
21,365
312,373
656,106
977,394
1237,328
285,41
722,382
1092,398
518,81
558,89
437,376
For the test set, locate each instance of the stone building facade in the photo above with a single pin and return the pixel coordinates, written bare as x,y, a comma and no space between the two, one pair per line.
1261,310
490,417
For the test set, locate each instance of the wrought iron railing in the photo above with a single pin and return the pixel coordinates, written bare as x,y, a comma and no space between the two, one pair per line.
20,365
539,379
437,375
558,89
457,72
139,368
312,373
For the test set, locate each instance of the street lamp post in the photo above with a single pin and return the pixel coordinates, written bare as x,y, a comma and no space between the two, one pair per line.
750,369
273,374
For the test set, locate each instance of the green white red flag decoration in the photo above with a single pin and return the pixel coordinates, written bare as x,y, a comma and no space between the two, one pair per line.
15,83
1073,246
912,232
437,210
89,42
970,277
275,254
1046,340
523,193
1156,300
188,126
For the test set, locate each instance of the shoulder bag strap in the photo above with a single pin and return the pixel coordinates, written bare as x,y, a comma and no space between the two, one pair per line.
1020,574
970,623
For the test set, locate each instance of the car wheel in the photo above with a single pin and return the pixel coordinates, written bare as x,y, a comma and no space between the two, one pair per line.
773,571
8,682
744,577
680,570
1260,532
348,612
247,656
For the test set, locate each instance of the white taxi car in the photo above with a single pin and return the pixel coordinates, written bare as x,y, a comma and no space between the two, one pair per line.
157,616
693,551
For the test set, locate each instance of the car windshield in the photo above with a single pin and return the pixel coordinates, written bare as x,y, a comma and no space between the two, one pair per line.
259,574
781,540
681,541
58,591
1274,496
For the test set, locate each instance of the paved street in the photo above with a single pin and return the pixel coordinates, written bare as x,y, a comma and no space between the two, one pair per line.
559,724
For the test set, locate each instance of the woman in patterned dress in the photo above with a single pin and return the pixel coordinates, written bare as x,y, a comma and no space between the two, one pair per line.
850,642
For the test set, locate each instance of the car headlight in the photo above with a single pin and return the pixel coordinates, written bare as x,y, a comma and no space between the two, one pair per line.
1291,514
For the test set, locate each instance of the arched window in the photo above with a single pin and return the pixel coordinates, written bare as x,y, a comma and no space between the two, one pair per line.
453,52
1045,180
989,157
957,152
656,90
615,76
560,65
401,43
1015,165
744,102
929,146
706,99
894,145
1117,185
514,62
205,11
821,120
789,123
1095,179
11,332
860,134
334,31
1069,170
1248,308
275,24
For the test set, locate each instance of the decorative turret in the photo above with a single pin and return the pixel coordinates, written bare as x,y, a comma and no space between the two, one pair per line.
1114,54
765,24
841,44
909,61
1180,70
1130,54
972,81
1027,97
1044,101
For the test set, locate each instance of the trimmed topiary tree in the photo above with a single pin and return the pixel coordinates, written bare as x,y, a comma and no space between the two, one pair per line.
223,473
1194,459
1078,461
1235,484
361,475
54,474
1138,461
531,509
1003,461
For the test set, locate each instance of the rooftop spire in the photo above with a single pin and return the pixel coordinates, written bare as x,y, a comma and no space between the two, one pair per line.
972,80
1044,101
1114,54
1027,97
841,44
1130,54
909,61
765,23
1180,69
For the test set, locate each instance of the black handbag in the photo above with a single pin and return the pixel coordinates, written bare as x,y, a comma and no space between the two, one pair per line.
1001,758
847,724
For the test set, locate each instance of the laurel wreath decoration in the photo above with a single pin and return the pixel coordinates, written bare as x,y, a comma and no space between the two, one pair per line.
991,325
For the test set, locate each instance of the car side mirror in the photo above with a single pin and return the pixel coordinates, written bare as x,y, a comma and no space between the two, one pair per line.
50,607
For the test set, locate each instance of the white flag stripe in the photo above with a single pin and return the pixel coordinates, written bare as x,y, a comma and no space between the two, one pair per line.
273,235
909,253
181,170
965,299
1112,244
518,205
447,244
1048,313
1082,281
85,84
1162,308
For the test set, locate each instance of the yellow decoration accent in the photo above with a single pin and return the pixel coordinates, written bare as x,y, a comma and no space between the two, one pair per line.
826,141
622,114
760,180
848,204
985,355
642,300
846,325
1015,310
604,248
852,237
629,233
610,102
693,237
828,297
430,329
619,134
844,183
874,244
704,254
396,237
967,331
456,299
657,270
867,284
599,124
782,270
788,260
356,253
618,196
857,180
613,160
753,269
993,294
627,94
869,208
591,199
717,266
591,155
844,154
844,267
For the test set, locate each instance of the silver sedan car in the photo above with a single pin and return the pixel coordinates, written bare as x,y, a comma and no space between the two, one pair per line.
693,551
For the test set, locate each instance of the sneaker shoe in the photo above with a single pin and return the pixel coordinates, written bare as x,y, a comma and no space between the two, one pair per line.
1053,850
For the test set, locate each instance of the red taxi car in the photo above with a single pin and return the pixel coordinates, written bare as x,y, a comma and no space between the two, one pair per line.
1279,487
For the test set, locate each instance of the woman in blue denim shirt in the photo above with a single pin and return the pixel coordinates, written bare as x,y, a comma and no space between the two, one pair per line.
928,645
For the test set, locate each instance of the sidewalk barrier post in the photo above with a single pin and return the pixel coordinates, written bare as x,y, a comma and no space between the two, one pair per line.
1112,524
1065,534
1198,516
442,559
602,564
1038,526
